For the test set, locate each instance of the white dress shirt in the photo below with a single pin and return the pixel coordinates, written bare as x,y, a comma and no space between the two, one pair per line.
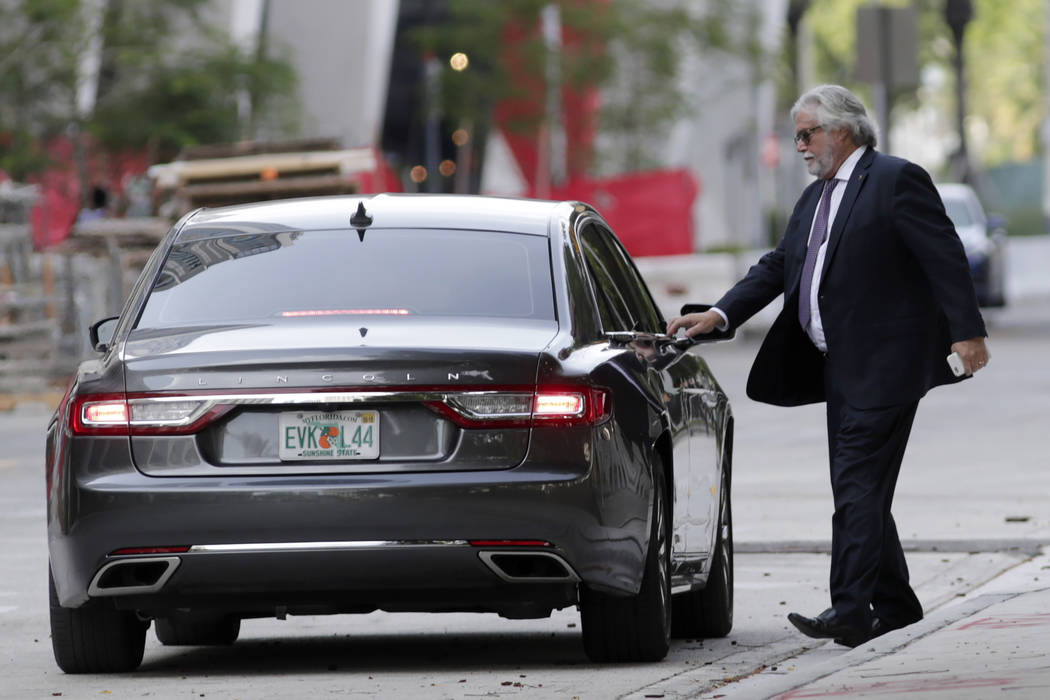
815,331
816,326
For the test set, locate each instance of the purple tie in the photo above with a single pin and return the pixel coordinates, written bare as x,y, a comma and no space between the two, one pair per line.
820,234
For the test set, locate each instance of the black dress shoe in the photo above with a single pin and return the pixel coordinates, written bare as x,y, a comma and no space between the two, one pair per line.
827,625
879,628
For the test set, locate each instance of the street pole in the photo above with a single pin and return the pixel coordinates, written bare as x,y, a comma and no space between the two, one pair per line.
550,18
958,13
431,129
884,88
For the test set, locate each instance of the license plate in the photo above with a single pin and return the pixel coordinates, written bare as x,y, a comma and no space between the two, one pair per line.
329,435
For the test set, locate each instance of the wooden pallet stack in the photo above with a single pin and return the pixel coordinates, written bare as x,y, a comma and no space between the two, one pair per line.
252,171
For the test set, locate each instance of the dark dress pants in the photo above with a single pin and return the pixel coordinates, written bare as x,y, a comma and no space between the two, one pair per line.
868,572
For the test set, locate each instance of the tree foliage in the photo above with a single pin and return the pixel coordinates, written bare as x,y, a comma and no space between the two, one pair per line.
1003,49
648,46
40,42
632,48
165,78
1004,52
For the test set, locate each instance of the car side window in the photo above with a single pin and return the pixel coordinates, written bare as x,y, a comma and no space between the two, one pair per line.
608,281
646,316
629,288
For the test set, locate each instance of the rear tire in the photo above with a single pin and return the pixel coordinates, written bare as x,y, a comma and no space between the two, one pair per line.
709,612
637,627
191,629
96,637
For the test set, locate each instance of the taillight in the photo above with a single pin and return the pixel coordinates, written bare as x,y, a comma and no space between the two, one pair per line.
504,407
158,412
588,406
106,413
143,415
519,409
491,408
100,413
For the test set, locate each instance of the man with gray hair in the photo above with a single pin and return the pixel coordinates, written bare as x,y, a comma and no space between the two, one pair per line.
877,293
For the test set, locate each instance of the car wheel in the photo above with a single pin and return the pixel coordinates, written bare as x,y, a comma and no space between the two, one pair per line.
96,637
190,629
709,612
637,627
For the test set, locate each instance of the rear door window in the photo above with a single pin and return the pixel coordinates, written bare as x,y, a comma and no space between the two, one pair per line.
274,276
607,280
624,303
646,316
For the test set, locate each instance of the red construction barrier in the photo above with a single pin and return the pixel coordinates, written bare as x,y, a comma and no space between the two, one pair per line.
651,212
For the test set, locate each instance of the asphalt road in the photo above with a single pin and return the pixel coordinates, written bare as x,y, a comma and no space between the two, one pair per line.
971,503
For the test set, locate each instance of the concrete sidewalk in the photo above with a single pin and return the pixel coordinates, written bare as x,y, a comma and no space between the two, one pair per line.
994,640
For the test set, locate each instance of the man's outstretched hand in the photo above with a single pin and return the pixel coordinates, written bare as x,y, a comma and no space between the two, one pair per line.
695,324
973,353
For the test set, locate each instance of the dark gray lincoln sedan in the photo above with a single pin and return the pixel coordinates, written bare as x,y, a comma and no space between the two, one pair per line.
398,402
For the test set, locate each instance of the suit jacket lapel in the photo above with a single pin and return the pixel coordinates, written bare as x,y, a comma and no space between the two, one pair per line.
849,197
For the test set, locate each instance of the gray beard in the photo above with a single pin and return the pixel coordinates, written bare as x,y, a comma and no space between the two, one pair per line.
820,165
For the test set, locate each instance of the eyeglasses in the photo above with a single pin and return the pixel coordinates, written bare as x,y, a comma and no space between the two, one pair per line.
804,135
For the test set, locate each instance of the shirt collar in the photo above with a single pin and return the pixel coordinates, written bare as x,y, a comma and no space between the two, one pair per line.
845,170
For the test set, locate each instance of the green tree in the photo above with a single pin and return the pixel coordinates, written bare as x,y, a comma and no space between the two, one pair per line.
633,44
166,79
1006,88
1004,67
158,92
40,42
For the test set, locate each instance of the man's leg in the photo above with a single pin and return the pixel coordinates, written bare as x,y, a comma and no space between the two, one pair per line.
866,449
894,601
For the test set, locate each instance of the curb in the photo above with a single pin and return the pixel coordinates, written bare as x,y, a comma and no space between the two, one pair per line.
780,685
787,685
973,546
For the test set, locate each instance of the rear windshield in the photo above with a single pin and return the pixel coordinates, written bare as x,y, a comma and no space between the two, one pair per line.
292,275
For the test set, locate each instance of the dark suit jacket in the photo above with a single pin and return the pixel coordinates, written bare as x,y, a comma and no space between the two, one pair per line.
895,293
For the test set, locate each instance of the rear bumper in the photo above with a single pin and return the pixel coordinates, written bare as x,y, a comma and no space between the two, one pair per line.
352,542
342,577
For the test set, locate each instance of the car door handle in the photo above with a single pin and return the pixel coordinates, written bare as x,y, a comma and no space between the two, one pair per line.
708,396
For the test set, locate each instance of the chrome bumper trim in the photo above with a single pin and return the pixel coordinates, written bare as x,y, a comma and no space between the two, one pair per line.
210,401
260,547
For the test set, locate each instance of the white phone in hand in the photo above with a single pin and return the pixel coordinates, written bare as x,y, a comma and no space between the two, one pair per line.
956,364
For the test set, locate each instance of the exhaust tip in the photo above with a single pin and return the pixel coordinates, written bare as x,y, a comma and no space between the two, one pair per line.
529,567
133,576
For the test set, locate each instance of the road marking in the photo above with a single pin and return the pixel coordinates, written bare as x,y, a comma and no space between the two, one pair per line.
923,685
1002,622
7,608
8,463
